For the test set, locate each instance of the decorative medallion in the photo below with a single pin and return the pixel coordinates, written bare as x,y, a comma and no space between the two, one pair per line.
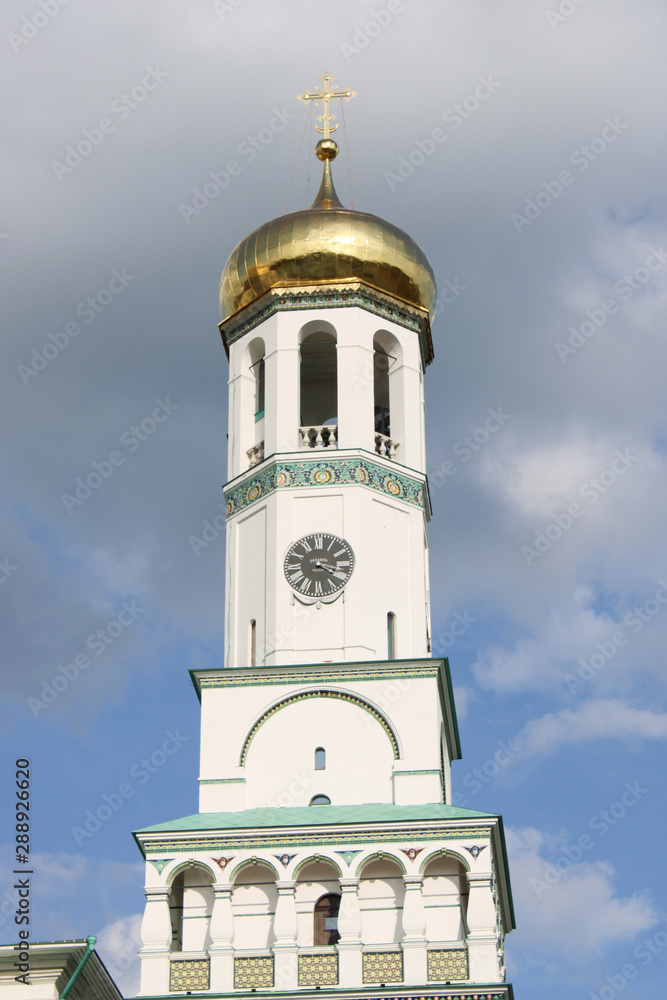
284,859
412,852
223,862
348,856
160,863
475,850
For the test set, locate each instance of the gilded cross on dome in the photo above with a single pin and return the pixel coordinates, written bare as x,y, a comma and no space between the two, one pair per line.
326,93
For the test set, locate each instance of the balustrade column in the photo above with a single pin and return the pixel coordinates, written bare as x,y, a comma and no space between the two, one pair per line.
156,935
414,929
221,929
285,929
349,928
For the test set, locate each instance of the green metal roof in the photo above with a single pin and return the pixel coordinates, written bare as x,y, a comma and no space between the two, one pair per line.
374,812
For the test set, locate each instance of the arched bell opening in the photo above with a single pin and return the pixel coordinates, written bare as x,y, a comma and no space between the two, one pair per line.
318,387
256,372
387,395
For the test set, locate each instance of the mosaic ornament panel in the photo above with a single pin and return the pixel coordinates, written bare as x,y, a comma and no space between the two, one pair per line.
332,472
254,972
382,967
318,970
191,974
445,964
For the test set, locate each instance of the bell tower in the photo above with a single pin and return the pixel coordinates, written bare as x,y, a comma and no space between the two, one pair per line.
326,852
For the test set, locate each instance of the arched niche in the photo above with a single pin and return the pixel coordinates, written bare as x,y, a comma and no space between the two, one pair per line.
190,908
381,894
315,881
254,897
445,895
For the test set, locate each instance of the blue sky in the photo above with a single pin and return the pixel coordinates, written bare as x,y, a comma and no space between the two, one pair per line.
542,211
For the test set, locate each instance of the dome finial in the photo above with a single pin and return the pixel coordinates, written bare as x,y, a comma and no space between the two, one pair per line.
326,149
327,93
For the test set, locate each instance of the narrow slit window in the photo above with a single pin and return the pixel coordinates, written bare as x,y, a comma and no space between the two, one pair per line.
391,636
252,643
320,759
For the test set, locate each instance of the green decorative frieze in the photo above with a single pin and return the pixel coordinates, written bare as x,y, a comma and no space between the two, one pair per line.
336,296
332,471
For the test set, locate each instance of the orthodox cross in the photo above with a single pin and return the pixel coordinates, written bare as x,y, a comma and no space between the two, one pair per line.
326,93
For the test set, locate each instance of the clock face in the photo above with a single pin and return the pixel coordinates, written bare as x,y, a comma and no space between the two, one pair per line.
318,566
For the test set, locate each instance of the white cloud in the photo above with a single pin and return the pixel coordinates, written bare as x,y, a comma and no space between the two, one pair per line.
579,912
118,944
611,719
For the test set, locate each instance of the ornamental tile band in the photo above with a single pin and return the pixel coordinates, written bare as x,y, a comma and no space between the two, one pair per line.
447,964
382,967
191,974
255,972
207,843
331,472
330,297
318,970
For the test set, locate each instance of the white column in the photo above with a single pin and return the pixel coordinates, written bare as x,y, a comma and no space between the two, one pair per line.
414,929
356,420
482,930
349,928
282,390
285,930
156,937
222,932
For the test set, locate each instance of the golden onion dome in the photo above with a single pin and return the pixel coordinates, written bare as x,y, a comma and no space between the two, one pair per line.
323,244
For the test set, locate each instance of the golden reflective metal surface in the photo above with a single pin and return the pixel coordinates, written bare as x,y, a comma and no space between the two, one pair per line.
322,244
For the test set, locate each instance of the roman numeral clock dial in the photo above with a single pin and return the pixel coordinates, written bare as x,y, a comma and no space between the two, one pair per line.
317,567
